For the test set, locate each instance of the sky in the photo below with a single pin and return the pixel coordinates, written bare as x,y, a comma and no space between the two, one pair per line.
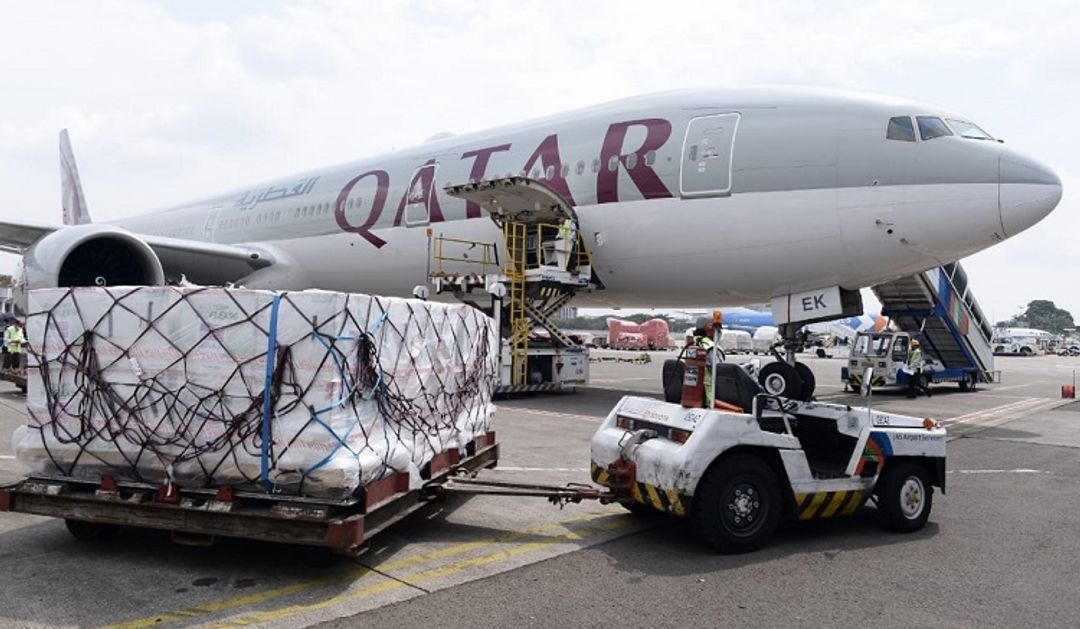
172,100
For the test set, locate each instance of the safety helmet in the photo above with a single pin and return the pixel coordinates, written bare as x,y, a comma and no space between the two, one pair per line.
914,342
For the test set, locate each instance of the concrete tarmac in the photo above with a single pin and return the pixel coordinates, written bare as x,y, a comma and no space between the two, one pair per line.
1000,549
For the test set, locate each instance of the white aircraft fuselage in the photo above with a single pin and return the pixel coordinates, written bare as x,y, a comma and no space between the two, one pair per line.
686,198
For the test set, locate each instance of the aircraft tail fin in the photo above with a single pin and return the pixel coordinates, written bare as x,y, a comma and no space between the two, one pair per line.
71,193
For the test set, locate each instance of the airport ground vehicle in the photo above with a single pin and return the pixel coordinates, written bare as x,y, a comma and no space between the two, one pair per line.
16,376
1016,345
887,353
736,473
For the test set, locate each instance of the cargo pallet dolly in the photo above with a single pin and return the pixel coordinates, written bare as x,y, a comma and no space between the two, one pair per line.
15,376
96,509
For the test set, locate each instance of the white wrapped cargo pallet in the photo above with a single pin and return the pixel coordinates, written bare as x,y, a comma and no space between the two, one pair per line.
310,393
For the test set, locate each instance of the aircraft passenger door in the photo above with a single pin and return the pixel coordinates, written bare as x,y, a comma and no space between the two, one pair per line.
421,195
708,150
211,223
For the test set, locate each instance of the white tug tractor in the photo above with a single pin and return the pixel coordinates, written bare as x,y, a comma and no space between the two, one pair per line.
735,470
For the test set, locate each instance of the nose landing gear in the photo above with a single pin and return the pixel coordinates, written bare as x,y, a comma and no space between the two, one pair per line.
787,377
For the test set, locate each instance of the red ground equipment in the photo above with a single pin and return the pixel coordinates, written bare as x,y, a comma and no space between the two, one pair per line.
693,391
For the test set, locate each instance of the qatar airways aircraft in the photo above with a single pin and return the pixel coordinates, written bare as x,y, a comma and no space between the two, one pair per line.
671,192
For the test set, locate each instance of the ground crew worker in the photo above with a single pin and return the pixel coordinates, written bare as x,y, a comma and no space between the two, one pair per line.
13,340
916,364
703,338
568,238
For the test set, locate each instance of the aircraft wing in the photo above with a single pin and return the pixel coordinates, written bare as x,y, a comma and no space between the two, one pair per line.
14,237
201,262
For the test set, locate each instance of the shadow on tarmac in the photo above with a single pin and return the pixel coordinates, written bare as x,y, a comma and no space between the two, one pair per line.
142,572
673,549
172,576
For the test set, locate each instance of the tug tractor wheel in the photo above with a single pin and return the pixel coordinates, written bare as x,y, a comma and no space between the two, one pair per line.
737,504
90,531
780,378
809,382
672,377
905,496
969,382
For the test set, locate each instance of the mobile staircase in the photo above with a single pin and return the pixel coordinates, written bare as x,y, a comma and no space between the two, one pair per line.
938,307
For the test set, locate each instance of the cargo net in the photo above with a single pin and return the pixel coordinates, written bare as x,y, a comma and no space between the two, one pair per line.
310,393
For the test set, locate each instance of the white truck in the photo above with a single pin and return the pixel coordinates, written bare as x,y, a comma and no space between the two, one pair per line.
1016,343
736,474
887,354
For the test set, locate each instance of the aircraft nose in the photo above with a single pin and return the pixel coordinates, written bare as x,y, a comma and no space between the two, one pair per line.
1027,191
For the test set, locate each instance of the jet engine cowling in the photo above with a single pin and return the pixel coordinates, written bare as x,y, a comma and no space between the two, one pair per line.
88,255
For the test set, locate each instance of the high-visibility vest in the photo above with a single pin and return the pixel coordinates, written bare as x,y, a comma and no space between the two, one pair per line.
916,360
565,229
14,336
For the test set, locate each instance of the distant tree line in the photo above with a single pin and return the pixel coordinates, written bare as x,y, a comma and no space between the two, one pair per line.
1042,314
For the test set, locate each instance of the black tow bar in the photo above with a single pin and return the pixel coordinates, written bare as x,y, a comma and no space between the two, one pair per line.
556,494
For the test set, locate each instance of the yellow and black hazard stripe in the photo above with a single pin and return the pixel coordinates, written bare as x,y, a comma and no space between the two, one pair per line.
667,500
599,475
828,504
855,380
529,388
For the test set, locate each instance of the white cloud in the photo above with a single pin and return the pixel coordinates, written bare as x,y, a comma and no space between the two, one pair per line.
168,101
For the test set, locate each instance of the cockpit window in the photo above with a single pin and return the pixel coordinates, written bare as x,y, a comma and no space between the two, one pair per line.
900,128
966,129
931,127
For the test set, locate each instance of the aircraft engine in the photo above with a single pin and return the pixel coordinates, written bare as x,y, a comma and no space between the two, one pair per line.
88,255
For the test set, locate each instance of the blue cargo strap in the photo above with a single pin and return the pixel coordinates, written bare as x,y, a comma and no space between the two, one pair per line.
271,358
347,393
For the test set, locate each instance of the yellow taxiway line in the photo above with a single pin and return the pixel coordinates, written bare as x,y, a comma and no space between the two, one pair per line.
577,532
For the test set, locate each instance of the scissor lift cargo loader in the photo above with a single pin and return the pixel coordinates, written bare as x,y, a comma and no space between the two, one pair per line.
543,266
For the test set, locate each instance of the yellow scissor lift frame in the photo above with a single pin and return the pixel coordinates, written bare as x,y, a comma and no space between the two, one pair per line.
522,208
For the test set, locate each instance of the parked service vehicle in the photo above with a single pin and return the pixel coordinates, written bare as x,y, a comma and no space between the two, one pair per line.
1021,341
15,376
1015,345
1069,347
887,353
735,473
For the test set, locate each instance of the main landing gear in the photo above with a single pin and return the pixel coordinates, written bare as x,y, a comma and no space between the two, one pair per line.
787,377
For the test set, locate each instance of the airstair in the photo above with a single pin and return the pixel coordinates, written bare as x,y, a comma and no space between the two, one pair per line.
939,307
545,262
